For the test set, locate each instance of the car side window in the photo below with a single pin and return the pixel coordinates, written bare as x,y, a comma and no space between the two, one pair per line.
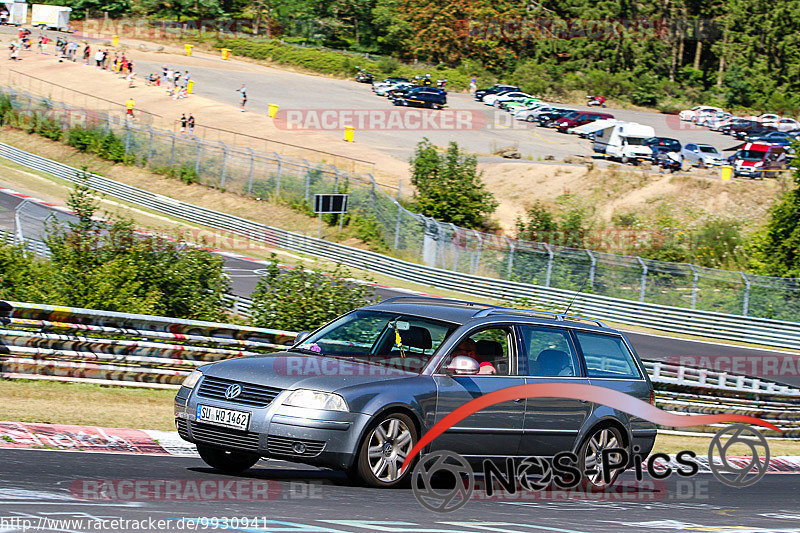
488,346
606,356
547,352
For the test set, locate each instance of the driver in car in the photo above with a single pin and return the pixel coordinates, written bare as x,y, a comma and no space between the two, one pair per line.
468,348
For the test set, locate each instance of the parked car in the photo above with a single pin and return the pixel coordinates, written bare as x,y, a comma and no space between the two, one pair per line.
721,124
710,120
499,87
787,124
401,85
530,115
387,82
756,129
524,104
736,124
393,369
431,97
772,137
490,99
548,120
766,118
758,160
667,144
693,113
565,123
702,155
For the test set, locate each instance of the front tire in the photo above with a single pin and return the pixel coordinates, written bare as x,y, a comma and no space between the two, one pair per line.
589,455
530,118
384,449
226,461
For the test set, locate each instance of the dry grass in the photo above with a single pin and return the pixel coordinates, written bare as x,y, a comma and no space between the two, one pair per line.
85,404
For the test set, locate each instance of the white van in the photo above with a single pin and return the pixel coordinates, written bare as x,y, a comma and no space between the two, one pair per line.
50,17
625,141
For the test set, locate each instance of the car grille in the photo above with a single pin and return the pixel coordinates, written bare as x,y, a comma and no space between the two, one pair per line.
252,395
224,437
183,430
285,446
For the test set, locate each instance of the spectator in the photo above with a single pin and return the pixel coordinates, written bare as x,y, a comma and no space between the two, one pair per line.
183,122
473,85
130,77
130,66
243,90
87,52
129,107
186,78
98,58
190,122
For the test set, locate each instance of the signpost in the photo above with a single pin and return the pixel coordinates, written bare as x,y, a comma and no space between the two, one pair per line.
330,203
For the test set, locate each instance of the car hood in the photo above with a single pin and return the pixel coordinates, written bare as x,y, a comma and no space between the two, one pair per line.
286,370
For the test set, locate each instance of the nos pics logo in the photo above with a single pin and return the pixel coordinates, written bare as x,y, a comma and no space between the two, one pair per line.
444,481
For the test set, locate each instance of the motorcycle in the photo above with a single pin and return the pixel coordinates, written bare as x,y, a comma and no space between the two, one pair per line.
671,161
596,100
364,77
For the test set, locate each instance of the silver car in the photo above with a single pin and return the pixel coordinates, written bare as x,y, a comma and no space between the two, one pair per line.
702,155
357,394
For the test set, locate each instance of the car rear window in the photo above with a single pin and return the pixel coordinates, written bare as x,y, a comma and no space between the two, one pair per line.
607,356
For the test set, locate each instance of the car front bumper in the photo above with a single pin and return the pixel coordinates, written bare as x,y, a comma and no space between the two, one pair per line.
321,438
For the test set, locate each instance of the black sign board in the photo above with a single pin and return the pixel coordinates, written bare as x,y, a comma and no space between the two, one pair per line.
330,203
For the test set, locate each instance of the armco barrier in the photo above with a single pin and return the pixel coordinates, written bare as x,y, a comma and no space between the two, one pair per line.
72,344
660,317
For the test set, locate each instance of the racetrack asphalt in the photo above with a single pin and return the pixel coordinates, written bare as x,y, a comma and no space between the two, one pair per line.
41,485
245,275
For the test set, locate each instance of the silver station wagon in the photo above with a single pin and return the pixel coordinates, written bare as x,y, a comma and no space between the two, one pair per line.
357,394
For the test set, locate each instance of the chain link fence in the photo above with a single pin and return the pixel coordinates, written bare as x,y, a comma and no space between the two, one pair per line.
418,238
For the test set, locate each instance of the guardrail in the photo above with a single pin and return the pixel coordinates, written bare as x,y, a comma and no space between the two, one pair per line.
755,330
72,344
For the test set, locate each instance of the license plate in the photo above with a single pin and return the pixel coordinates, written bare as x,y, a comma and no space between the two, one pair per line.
223,417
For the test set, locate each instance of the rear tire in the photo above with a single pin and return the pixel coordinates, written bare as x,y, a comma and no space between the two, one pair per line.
226,461
386,444
530,118
589,457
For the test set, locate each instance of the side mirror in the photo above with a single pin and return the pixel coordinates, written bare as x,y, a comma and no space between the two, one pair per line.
462,365
301,337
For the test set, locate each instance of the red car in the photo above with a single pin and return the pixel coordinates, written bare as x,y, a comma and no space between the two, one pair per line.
564,124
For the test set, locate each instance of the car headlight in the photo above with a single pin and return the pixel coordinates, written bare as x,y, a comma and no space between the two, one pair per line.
312,399
191,379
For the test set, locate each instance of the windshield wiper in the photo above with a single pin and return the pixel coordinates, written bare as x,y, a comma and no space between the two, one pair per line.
304,350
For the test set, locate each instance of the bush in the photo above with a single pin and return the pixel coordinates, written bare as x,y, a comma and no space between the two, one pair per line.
85,140
296,299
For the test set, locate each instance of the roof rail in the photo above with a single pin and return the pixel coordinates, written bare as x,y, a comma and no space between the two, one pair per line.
433,300
545,314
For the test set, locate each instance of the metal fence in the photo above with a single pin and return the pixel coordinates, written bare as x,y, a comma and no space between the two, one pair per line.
424,240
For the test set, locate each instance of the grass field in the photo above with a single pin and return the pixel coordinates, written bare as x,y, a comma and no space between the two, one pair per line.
94,405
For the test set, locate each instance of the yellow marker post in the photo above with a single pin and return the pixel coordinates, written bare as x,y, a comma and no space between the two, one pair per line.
273,110
115,40
188,49
226,53
726,172
190,86
349,133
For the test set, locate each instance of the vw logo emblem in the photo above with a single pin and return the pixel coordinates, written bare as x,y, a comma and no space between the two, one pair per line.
233,391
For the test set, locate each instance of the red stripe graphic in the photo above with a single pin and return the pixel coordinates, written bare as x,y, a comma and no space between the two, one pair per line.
576,391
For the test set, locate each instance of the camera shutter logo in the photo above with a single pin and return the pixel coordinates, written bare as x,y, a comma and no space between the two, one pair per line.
233,391
445,499
735,475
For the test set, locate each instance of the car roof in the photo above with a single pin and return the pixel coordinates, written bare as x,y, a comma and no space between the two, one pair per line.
462,312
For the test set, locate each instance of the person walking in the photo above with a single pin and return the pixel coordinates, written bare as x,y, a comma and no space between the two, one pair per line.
243,90
87,53
129,108
473,85
98,58
183,122
190,122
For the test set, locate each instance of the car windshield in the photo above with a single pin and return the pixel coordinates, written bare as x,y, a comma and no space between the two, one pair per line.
570,114
708,149
387,339
751,155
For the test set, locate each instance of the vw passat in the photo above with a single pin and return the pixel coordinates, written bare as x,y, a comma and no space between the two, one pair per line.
356,394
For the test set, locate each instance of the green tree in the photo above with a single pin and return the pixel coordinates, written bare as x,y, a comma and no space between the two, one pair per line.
449,186
776,250
298,298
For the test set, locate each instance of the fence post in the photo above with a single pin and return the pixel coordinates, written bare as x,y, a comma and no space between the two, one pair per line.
478,254
127,137
250,173
197,159
644,278
308,180
746,303
397,226
172,151
277,178
549,264
455,247
592,268
150,146
694,286
19,237
224,164
335,179
511,247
